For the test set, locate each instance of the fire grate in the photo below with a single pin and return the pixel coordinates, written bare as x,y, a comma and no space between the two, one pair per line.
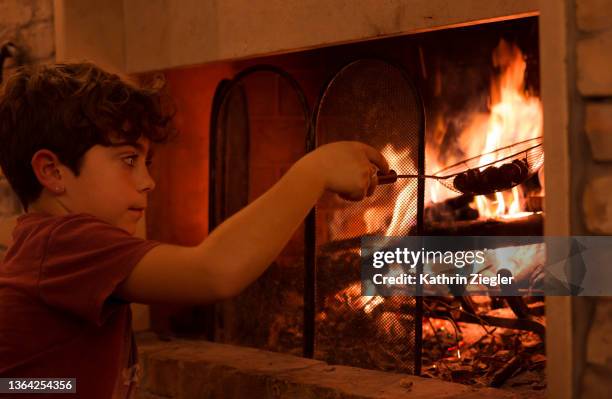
374,102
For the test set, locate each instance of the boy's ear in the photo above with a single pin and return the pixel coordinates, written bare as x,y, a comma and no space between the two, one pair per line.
46,167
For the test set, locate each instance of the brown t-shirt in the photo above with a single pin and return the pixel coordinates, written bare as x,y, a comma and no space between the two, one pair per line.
57,316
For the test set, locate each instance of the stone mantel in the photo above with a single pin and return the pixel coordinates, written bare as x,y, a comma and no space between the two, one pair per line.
141,35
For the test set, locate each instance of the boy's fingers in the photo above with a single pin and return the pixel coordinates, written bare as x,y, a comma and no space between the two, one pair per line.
376,158
372,180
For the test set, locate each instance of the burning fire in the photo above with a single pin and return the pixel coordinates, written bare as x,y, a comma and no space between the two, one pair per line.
404,211
515,116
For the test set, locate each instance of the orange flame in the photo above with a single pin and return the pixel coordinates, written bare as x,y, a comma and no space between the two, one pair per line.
404,211
515,116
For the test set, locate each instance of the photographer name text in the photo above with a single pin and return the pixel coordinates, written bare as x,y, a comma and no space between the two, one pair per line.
430,279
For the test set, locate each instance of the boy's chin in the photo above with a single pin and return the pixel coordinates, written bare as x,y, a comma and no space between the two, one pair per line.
130,228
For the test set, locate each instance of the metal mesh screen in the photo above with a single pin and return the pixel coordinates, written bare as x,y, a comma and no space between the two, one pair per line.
373,102
254,139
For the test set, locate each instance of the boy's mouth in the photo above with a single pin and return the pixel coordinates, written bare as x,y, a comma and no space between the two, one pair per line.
137,211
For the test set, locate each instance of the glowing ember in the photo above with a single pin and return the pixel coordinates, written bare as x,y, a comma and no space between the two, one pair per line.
352,297
518,215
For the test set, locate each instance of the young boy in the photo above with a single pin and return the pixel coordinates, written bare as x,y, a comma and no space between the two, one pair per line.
75,146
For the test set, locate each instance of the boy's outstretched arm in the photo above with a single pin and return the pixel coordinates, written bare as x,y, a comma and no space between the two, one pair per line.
241,248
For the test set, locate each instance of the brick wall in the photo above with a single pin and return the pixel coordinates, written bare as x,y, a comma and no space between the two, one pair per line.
593,110
29,25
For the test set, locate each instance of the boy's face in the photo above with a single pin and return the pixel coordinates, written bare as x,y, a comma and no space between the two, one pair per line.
113,183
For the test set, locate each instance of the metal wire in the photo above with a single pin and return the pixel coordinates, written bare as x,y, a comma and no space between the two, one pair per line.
376,103
530,152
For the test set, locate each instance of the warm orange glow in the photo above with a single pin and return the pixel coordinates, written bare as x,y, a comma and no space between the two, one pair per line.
515,116
516,259
404,212
352,297
372,215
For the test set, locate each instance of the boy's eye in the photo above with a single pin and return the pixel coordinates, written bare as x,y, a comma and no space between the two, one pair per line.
131,160
148,162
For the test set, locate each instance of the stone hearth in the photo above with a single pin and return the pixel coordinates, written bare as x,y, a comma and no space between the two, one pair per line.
182,369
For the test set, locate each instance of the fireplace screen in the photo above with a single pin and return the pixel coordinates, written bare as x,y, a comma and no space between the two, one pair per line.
255,138
323,315
373,102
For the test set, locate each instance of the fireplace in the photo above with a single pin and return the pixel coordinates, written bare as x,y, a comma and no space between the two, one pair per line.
427,102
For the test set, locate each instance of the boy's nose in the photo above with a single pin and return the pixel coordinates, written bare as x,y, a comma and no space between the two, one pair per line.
148,184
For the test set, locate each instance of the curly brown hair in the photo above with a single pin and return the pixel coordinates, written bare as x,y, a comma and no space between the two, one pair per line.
69,108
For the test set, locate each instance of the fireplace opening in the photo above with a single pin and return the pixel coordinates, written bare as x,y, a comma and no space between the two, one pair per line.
478,90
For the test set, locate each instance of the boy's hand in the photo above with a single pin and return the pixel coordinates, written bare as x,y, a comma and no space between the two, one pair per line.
347,168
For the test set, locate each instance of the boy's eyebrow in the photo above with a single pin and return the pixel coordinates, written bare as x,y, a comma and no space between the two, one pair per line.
134,144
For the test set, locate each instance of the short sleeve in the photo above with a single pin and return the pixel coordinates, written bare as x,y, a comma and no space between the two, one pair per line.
84,262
